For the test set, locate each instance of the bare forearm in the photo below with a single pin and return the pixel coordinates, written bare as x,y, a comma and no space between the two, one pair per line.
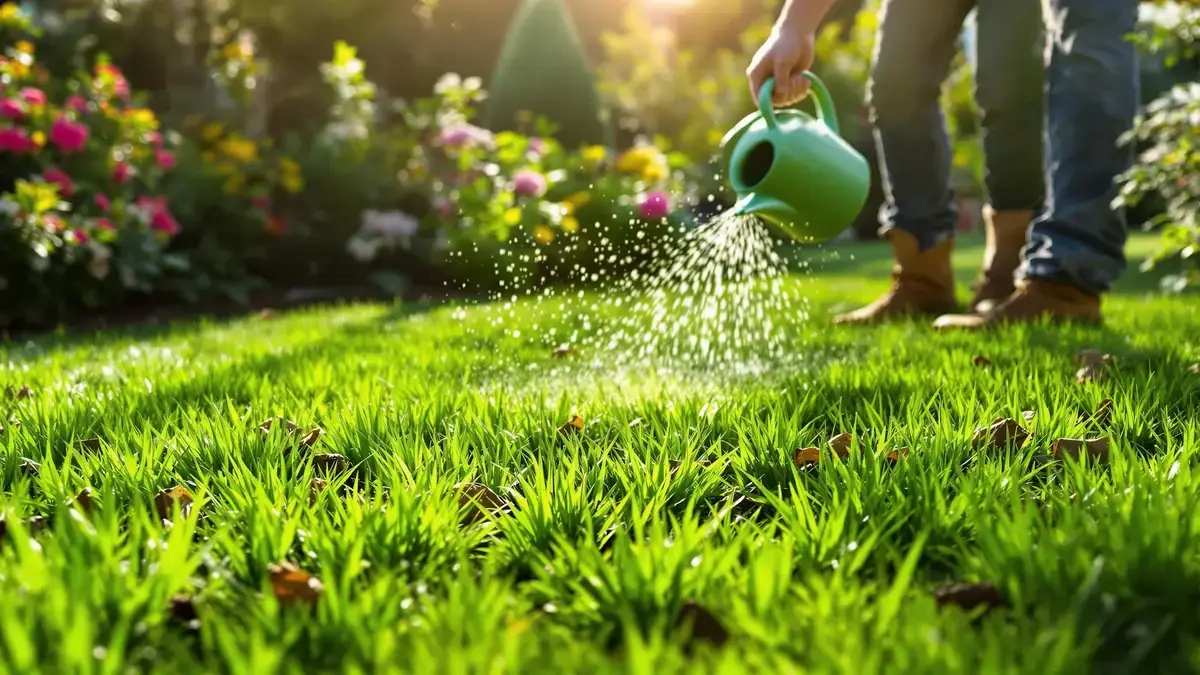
802,16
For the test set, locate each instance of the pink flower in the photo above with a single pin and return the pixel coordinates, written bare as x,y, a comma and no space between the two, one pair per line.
11,109
161,219
78,236
77,103
462,135
57,176
654,205
121,173
104,203
155,139
529,183
67,135
16,140
33,96
53,223
165,159
105,224
537,147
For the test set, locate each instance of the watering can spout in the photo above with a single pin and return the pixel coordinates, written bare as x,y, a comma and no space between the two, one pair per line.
773,211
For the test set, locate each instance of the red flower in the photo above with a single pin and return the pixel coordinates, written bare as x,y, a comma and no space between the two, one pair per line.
77,103
121,173
261,203
16,140
161,219
165,159
12,109
105,224
55,175
276,226
67,135
33,96
104,203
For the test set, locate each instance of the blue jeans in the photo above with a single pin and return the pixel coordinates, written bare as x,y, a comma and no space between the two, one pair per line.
1058,75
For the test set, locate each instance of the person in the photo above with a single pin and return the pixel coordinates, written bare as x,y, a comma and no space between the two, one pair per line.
1075,247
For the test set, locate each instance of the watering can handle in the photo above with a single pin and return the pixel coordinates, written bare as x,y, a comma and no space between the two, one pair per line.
825,110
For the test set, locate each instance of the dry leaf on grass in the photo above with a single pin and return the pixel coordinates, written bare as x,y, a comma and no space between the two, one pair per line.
292,427
562,351
1095,448
701,624
808,456
182,609
330,462
292,586
476,501
981,362
896,455
999,435
310,439
266,314
315,488
841,444
1092,357
969,596
573,426
84,502
166,500
89,445
19,394
1091,373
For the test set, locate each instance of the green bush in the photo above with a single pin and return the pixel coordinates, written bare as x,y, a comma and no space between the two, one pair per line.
544,72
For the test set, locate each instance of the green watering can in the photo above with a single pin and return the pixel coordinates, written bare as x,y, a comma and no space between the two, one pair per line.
795,172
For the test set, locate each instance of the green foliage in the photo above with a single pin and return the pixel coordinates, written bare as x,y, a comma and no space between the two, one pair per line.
544,72
1168,165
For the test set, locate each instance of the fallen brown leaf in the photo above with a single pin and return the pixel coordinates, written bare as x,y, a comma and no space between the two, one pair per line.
981,362
969,596
310,439
166,500
292,427
896,455
19,394
841,444
85,501
35,524
476,501
90,445
999,435
562,351
315,489
292,585
1093,372
1095,448
266,314
573,426
183,608
330,462
701,624
808,456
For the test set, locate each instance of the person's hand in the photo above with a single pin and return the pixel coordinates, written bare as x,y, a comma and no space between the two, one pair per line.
785,56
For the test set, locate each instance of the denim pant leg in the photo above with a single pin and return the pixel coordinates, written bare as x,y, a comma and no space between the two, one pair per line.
1010,92
1091,99
917,40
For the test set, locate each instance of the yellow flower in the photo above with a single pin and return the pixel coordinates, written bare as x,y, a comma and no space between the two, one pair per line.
592,155
24,46
512,216
569,224
655,172
9,11
575,201
239,148
290,175
543,234
39,139
143,116
212,132
636,160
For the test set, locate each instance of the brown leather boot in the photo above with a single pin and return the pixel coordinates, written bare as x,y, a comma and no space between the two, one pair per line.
1006,236
1033,300
922,284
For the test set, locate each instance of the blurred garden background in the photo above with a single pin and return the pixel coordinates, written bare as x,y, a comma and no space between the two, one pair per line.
167,152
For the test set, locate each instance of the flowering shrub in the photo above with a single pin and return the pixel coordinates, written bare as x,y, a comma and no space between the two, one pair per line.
82,220
546,212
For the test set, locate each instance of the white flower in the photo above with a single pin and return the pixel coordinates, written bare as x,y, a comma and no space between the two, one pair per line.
98,266
392,224
447,83
361,249
9,207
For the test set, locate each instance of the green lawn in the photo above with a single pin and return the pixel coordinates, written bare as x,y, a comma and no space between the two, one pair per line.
680,489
